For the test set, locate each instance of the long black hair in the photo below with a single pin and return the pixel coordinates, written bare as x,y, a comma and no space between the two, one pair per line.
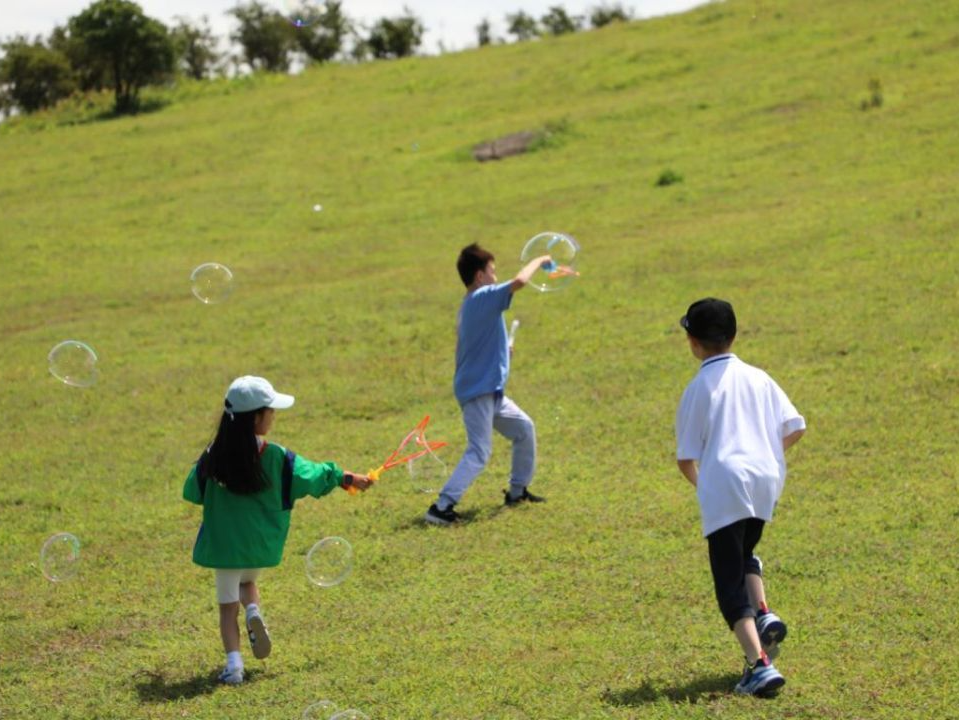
233,458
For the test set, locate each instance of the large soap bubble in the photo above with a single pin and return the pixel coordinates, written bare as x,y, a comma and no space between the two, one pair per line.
60,557
329,561
211,282
561,270
74,363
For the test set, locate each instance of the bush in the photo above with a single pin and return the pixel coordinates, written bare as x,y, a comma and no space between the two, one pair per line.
33,76
668,177
606,14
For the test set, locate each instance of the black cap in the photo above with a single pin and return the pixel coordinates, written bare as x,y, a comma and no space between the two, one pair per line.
710,320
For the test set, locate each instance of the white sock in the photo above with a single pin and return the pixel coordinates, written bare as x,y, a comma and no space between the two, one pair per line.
234,661
251,610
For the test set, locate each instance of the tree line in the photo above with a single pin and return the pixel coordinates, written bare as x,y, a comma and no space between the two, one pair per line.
113,45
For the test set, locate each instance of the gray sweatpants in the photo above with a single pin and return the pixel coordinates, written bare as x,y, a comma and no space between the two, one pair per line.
481,416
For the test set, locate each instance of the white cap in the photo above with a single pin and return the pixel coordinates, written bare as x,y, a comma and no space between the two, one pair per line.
249,393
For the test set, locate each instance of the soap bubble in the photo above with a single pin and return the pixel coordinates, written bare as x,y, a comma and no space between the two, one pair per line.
60,557
561,270
350,714
322,710
74,363
427,472
212,283
329,561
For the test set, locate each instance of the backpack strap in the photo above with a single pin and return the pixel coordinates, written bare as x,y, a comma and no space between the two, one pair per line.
287,479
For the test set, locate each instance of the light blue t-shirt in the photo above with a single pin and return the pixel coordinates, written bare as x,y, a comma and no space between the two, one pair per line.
482,346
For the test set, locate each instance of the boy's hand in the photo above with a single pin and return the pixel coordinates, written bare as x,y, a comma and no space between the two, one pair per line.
524,275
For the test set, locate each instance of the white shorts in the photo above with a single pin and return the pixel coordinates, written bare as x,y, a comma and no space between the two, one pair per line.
228,584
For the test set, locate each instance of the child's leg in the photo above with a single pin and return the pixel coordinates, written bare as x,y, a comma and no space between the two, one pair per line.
478,419
255,627
249,593
753,565
756,590
771,628
228,598
229,629
514,424
727,562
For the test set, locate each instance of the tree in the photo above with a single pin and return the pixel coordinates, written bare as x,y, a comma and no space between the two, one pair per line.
522,26
320,34
91,73
131,48
558,22
33,76
606,14
195,48
484,33
396,37
265,35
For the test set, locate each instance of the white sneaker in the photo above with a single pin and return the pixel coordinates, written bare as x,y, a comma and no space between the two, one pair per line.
231,676
259,637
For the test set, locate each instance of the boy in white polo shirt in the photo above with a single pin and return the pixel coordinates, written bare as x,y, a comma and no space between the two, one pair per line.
733,426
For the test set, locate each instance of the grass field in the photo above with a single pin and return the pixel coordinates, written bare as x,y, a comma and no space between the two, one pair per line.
832,228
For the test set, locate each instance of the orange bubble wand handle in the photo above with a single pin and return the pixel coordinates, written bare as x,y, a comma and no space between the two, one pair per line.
373,475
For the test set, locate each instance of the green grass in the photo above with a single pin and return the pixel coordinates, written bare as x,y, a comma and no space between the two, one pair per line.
833,231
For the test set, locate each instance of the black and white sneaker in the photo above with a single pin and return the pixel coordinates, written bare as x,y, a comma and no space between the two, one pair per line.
527,496
772,631
435,516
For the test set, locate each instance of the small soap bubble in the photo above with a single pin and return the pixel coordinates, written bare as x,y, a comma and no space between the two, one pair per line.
74,363
322,710
60,557
211,283
329,562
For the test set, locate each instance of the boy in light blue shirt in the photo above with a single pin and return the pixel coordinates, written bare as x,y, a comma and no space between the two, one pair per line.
482,368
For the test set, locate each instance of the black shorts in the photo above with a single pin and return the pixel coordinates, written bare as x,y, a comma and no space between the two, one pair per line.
731,559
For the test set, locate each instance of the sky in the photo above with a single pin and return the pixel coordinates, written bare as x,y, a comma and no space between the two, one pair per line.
448,21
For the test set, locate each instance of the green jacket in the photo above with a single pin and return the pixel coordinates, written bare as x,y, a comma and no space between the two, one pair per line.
249,531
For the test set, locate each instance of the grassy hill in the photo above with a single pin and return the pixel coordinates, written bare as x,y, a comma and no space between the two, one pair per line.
829,220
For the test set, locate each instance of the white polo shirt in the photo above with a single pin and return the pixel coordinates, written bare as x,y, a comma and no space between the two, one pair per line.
732,420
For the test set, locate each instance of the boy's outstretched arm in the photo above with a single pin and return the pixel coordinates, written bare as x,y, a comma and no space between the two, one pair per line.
792,438
688,468
524,275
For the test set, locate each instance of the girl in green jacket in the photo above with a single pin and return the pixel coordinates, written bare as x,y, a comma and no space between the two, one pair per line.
247,487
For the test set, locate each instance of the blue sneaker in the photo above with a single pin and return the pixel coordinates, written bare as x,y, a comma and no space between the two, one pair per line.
761,680
772,631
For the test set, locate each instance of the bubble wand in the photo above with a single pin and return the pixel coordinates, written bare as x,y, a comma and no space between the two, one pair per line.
418,436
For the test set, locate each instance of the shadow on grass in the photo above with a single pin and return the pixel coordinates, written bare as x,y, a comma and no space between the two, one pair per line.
145,107
155,687
417,521
706,688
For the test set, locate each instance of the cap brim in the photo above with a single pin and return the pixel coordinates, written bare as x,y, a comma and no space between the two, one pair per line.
281,401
